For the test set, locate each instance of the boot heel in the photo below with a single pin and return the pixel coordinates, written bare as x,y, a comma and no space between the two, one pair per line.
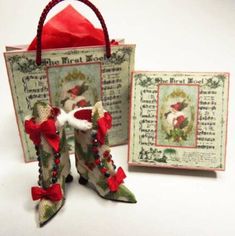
82,181
69,178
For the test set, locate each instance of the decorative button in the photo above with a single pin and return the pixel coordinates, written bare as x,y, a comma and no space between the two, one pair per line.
94,149
54,179
57,154
106,154
97,161
55,167
107,174
103,170
93,134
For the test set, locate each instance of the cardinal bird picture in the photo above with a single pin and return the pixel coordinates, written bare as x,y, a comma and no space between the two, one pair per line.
176,117
177,114
75,98
177,120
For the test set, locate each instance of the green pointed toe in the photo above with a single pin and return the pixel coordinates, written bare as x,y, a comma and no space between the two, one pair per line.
122,195
47,210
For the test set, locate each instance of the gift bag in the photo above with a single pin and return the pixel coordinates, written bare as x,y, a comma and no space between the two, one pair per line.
79,74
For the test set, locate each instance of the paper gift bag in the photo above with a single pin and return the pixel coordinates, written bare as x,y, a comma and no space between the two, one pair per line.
71,76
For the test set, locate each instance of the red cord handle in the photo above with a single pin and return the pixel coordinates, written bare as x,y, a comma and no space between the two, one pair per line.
46,10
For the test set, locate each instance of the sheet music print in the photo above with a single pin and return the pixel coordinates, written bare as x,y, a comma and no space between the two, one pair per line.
178,119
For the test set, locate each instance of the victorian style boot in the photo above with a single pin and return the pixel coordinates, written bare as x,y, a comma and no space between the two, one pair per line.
48,135
93,158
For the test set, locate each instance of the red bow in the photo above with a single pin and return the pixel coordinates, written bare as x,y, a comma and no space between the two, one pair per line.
104,123
47,129
52,193
115,180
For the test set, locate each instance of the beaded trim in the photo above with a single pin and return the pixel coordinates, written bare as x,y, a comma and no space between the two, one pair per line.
106,155
55,168
39,165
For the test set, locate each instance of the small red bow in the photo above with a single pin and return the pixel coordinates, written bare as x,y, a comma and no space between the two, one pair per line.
52,193
47,129
104,123
115,180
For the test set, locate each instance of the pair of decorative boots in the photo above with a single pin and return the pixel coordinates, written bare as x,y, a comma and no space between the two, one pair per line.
93,159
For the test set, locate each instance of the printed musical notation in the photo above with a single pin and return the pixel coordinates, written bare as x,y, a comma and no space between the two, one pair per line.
178,119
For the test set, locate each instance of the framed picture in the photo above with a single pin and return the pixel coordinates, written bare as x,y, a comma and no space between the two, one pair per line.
178,120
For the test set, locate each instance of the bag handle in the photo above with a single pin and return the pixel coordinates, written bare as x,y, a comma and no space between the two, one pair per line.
43,16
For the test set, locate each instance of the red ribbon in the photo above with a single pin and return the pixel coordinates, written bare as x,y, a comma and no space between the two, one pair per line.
47,129
115,180
52,193
104,124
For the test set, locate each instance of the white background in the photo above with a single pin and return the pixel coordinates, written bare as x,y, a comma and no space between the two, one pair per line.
187,35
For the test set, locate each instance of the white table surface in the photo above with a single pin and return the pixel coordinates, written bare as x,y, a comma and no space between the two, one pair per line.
171,35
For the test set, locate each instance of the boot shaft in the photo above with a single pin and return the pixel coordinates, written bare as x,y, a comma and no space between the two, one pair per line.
50,143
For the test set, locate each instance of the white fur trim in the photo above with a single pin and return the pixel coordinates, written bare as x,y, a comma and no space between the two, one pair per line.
84,125
77,123
64,117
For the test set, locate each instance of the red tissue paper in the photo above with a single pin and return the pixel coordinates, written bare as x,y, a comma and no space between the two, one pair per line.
69,29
